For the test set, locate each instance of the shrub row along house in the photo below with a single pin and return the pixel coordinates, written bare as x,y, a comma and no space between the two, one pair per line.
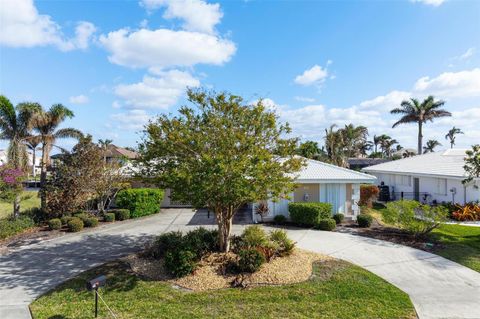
429,178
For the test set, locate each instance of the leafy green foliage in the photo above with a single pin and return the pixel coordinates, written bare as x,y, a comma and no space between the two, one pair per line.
285,244
207,155
414,217
65,219
91,222
279,219
54,224
180,263
121,214
201,241
140,201
309,214
166,242
75,224
339,217
109,217
82,215
10,227
250,260
328,224
364,220
472,164
254,236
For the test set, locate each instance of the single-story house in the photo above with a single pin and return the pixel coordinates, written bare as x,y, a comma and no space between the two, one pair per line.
432,177
357,163
322,182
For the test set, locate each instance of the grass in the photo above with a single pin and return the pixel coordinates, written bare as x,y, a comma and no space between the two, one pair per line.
337,290
32,200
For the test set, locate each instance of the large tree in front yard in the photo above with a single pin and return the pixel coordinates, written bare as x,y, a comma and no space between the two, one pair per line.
220,154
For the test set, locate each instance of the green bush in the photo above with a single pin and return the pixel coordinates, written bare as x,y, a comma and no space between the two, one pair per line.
82,215
75,224
180,263
328,224
285,244
279,219
339,218
64,219
121,214
167,242
309,214
364,220
250,260
10,227
36,214
91,222
109,217
414,217
254,236
140,201
201,241
54,224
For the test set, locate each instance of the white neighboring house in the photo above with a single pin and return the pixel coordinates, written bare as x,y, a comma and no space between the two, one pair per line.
429,177
3,160
322,182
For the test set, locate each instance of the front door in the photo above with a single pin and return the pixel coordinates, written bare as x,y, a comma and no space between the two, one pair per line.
416,189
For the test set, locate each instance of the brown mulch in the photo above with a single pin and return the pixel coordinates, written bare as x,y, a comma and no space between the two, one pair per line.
30,236
211,271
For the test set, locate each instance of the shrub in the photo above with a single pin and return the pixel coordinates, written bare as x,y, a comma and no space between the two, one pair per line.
91,222
280,219
285,244
109,217
468,212
140,201
338,218
82,215
36,214
10,227
201,241
64,219
121,214
368,194
326,224
180,263
167,242
54,224
75,224
413,217
364,220
254,236
250,260
309,214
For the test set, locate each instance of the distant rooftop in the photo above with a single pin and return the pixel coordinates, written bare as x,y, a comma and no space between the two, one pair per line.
316,170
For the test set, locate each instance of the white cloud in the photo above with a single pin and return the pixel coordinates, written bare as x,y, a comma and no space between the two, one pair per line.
304,99
385,102
116,104
468,54
166,48
315,75
197,15
434,3
79,99
23,26
160,92
451,84
132,120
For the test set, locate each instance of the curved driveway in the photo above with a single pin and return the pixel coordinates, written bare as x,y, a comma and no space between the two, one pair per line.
438,287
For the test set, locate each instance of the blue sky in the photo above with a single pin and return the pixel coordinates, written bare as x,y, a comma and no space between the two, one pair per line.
118,63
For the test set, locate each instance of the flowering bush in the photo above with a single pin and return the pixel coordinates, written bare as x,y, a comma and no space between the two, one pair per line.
468,212
10,183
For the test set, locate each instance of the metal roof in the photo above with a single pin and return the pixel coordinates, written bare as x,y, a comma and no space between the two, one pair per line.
316,171
447,163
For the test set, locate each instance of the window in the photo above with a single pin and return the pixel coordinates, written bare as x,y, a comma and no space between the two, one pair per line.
402,180
441,186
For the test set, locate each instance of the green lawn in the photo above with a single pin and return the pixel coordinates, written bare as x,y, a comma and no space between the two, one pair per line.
461,244
337,290
6,209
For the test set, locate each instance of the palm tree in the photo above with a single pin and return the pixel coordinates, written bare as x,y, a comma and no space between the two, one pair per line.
15,127
387,146
32,143
451,135
353,138
46,124
415,112
430,147
334,145
104,145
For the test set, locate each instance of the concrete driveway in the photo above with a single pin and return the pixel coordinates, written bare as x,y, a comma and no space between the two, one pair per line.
438,288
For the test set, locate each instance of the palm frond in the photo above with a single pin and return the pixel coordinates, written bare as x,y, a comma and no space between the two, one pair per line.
68,133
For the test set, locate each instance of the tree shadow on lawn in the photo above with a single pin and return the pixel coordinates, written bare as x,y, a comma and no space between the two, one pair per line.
39,269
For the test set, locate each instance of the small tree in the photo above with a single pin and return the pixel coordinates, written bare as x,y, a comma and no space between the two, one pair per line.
368,194
11,187
221,155
472,164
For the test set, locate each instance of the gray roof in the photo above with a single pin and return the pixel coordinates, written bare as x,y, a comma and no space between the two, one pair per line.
316,171
447,163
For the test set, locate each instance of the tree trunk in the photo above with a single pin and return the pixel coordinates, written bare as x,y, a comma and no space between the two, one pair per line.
420,137
34,158
224,221
16,207
43,178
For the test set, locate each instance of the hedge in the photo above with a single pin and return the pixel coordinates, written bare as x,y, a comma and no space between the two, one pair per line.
10,227
140,201
309,214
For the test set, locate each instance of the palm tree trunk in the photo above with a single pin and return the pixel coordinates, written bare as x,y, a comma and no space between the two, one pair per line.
43,178
420,137
34,158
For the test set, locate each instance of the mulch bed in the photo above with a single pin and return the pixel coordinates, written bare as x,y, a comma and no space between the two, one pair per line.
30,236
211,272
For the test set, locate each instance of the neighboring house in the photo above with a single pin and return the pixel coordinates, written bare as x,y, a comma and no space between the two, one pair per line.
359,163
3,160
322,182
432,177
116,153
